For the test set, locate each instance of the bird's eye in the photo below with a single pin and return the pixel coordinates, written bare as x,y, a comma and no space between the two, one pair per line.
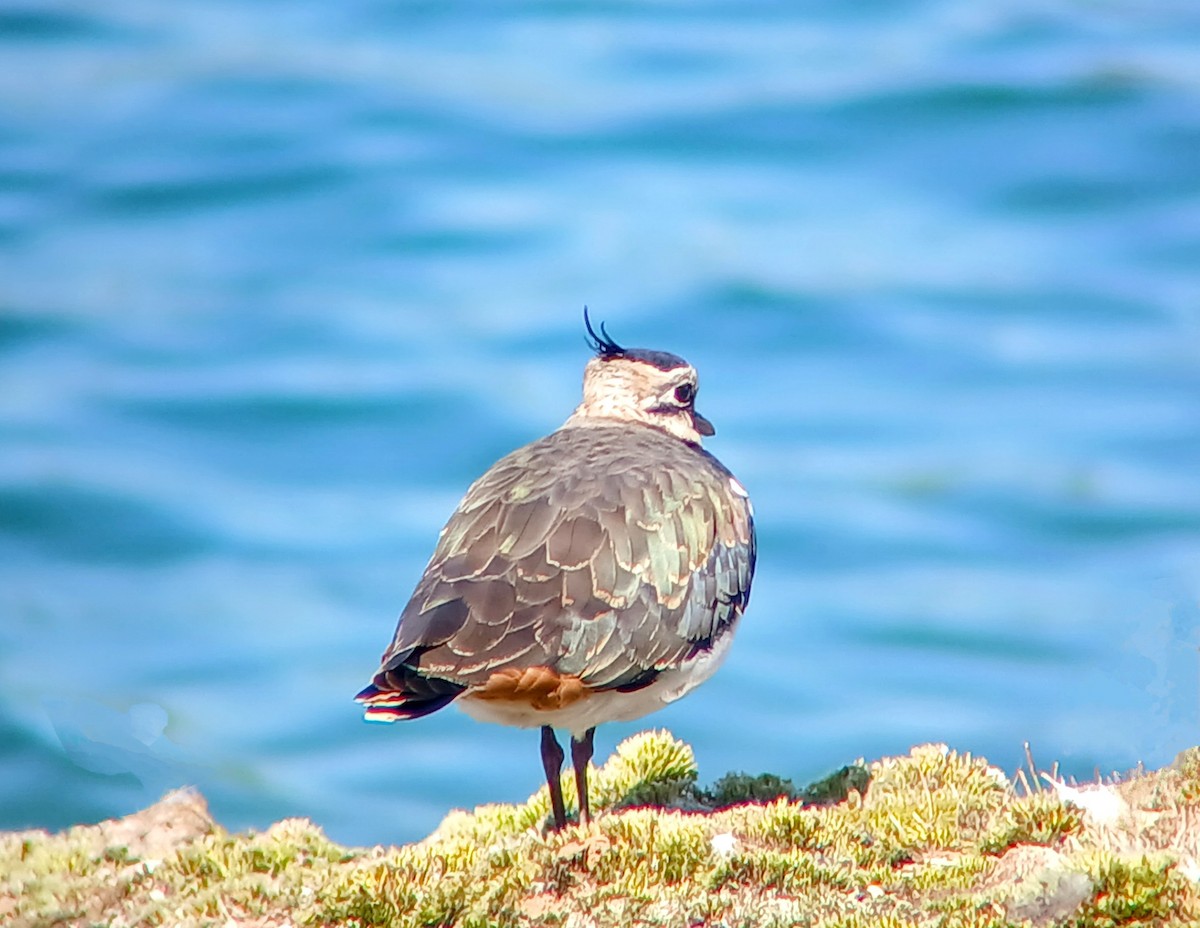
684,394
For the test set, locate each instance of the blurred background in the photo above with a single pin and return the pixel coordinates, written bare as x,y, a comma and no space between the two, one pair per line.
278,280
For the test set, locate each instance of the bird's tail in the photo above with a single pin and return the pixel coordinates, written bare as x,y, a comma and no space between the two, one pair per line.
401,693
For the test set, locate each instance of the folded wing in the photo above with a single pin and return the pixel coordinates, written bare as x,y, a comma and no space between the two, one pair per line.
607,554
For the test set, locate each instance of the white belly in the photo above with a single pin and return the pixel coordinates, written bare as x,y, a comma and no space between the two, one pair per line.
608,705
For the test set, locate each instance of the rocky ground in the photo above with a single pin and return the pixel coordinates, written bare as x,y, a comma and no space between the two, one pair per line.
933,838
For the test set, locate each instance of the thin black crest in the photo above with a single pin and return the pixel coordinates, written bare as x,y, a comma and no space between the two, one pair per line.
606,349
602,344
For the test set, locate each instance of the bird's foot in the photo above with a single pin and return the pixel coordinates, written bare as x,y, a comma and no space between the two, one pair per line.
586,846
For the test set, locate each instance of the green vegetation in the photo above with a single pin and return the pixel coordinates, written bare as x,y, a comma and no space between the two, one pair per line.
934,838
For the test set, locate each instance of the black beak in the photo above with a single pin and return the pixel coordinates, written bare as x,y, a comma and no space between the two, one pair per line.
703,426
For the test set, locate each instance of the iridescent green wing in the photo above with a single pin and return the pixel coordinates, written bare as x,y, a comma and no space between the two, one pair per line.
610,553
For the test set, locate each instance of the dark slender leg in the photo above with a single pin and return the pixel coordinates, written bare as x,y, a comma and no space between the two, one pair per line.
552,758
581,754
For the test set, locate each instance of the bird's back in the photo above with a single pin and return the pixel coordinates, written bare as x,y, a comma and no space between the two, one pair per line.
594,559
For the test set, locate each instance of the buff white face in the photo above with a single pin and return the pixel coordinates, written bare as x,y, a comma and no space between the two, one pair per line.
652,387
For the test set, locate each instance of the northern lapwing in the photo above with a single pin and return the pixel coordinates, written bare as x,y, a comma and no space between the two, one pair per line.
592,576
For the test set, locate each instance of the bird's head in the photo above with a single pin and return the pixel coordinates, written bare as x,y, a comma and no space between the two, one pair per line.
639,385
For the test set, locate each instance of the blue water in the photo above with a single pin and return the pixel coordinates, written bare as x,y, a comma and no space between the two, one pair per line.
277,281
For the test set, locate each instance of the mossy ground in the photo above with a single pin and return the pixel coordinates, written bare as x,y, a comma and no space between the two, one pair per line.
934,838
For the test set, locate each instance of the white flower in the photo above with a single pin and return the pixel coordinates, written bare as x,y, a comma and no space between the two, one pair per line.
724,844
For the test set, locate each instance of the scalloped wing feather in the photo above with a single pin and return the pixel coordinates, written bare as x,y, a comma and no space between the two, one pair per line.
606,552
